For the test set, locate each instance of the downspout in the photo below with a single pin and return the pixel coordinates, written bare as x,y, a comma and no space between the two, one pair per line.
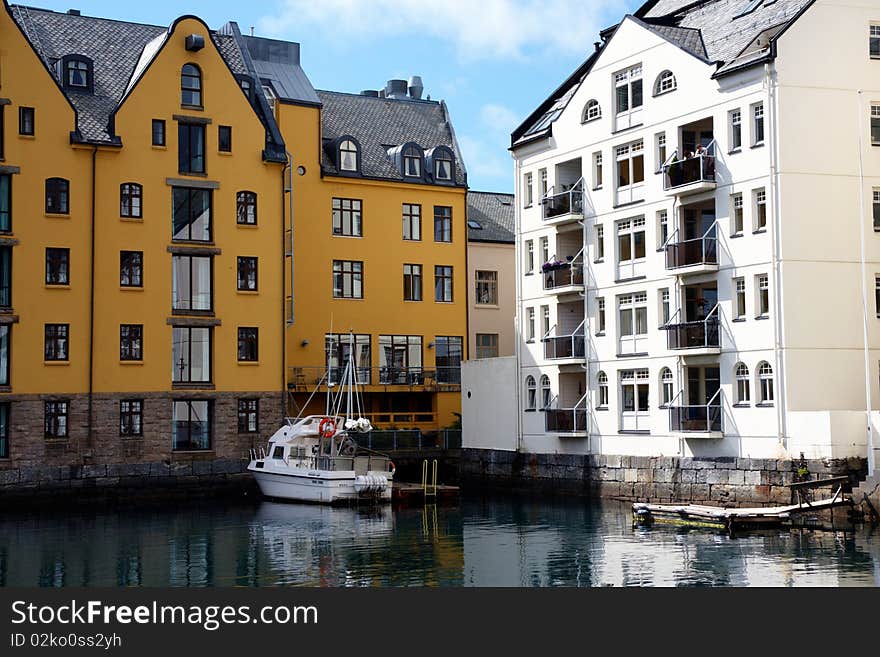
517,231
862,257
284,247
776,240
90,422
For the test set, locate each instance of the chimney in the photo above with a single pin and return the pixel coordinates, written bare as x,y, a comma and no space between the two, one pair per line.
396,89
416,87
372,93
73,12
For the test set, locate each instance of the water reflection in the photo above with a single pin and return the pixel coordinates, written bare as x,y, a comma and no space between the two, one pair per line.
484,542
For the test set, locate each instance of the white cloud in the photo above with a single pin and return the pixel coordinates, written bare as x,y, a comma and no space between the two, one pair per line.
486,161
487,29
499,118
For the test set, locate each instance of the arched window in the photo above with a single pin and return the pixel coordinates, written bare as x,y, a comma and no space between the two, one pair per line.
130,200
665,83
545,391
246,208
191,85
57,196
743,393
592,111
531,393
666,386
602,380
348,155
765,383
412,161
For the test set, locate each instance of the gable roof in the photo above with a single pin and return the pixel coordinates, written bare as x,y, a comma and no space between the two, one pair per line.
120,51
495,213
380,124
711,30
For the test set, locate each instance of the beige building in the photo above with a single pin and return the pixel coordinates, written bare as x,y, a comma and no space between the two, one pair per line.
492,268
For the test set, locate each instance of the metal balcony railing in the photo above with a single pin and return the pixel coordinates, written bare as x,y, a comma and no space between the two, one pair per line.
566,274
703,418
565,346
704,333
699,167
699,251
571,201
430,378
567,420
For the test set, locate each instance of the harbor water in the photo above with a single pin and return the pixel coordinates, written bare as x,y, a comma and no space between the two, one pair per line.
482,541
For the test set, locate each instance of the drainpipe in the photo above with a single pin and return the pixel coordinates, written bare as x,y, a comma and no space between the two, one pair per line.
287,168
517,231
588,324
862,259
90,422
776,240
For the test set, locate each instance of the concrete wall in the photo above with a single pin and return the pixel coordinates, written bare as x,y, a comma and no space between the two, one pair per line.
488,403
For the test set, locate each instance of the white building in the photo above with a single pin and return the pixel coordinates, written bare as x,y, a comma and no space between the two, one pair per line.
710,181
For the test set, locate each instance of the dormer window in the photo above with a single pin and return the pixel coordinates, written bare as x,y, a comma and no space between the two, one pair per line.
348,155
442,161
412,161
245,86
191,86
592,111
75,72
665,83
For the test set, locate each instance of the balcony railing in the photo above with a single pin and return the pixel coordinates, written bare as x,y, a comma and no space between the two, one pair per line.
698,168
567,274
699,251
570,201
411,377
701,334
703,418
565,346
567,420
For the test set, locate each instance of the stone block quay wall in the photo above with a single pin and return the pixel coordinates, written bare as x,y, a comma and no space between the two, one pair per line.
720,480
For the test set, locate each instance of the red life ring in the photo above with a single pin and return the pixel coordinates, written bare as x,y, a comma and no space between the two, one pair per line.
327,428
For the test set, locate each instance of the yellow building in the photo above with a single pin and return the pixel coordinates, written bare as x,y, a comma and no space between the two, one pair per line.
141,231
380,243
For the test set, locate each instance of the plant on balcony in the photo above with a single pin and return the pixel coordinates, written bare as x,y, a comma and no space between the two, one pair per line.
555,265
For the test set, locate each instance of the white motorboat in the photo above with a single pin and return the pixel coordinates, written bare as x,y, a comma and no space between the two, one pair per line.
315,459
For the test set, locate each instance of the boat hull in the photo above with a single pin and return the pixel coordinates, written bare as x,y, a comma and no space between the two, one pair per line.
319,486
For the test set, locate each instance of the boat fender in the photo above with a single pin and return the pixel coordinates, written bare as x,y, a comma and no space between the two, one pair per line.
327,427
391,468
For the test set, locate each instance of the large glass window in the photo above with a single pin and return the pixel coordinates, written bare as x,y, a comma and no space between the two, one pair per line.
5,202
57,266
191,218
191,147
131,268
191,85
246,208
131,342
247,274
758,124
412,221
412,282
348,279
338,347
347,217
191,425
486,287
400,359
191,355
55,341
191,282
630,247
130,200
57,196
634,395
449,353
633,322
743,395
442,283
248,343
628,90
765,383
630,165
734,119
442,223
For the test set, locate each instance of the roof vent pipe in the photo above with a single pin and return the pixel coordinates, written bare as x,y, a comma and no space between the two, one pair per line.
73,12
597,45
372,93
416,87
395,89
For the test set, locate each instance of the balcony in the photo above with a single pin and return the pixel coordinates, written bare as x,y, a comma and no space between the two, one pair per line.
698,421
698,338
566,349
437,379
691,175
565,207
564,278
569,422
694,256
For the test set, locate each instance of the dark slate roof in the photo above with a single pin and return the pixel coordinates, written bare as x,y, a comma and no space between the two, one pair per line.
278,62
494,212
711,30
115,47
380,124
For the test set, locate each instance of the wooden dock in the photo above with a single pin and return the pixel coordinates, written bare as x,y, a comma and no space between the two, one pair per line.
407,493
730,518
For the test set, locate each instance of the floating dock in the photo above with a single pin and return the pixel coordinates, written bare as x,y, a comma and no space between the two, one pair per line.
406,493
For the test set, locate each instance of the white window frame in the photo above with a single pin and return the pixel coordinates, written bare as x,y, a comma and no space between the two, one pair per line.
531,394
530,256
592,111
527,186
666,83
757,115
633,266
667,387
600,316
660,151
545,320
544,182
665,308
629,78
545,249
874,39
546,392
634,190
530,324
632,315
759,206
734,129
743,385
597,170
766,391
739,298
737,214
875,121
662,228
876,208
637,418
602,391
600,243
762,295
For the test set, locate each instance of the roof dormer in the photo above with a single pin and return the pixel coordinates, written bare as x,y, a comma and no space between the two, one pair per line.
76,73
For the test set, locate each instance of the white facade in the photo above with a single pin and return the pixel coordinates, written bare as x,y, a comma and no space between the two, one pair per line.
764,350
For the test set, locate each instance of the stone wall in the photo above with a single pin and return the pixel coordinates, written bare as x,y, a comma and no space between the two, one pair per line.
719,480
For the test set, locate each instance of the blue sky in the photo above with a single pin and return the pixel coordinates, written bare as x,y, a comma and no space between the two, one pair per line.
492,61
